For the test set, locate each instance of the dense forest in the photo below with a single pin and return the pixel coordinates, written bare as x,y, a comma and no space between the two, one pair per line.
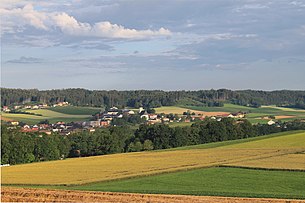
152,98
19,147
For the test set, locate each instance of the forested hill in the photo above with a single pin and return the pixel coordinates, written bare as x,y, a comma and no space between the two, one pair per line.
151,98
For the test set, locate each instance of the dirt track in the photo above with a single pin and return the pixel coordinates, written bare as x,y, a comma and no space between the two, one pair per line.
10,194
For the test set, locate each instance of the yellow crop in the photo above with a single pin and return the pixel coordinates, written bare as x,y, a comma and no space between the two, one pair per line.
117,166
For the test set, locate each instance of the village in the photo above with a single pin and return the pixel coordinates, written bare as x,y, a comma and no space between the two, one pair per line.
114,116
8,109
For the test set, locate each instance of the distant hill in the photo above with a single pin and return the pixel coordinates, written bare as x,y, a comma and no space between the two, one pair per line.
153,98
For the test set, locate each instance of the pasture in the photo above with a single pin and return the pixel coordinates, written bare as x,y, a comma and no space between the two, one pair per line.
76,110
120,166
46,114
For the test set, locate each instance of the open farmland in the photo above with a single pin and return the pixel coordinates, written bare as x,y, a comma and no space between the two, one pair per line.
255,114
292,160
180,110
76,110
211,181
118,166
10,194
44,114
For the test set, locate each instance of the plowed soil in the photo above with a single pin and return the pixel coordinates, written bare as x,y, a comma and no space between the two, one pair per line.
10,194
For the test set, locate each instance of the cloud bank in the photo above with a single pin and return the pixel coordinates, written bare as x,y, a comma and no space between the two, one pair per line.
17,19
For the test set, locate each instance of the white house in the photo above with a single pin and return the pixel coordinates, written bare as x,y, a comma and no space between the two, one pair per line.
141,109
271,122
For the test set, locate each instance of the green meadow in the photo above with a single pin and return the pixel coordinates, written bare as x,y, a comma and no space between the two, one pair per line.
49,114
212,181
76,110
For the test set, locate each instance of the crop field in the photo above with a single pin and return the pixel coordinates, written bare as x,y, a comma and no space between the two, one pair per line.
75,110
119,166
211,181
255,114
180,110
50,115
9,194
293,161
226,108
179,124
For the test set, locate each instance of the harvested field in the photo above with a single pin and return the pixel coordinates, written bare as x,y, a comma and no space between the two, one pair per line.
180,110
9,194
283,117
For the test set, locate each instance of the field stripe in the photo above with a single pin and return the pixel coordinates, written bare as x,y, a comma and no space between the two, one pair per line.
9,194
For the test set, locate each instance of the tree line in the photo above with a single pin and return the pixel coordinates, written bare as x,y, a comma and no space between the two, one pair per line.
151,98
19,147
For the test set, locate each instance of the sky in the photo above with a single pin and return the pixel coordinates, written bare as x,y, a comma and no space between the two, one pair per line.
153,44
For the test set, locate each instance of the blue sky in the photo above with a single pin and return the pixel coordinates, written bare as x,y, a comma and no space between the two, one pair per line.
169,45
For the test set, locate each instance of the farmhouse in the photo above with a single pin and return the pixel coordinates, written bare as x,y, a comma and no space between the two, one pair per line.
6,109
153,116
128,112
238,115
14,123
105,123
61,104
271,122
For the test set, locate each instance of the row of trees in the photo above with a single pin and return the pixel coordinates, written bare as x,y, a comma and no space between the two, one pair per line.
151,99
18,147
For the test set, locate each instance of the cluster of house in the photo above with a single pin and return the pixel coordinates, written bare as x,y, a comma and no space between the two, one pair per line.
157,118
16,107
8,109
59,127
114,112
61,104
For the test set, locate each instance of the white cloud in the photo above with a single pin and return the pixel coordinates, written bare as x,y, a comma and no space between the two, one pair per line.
69,25
21,17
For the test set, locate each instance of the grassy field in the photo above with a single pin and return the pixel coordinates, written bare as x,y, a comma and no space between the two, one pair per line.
212,181
46,114
118,166
76,110
239,141
180,124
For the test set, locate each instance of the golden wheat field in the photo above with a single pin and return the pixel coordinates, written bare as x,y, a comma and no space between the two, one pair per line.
288,161
118,166
10,194
109,167
292,146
